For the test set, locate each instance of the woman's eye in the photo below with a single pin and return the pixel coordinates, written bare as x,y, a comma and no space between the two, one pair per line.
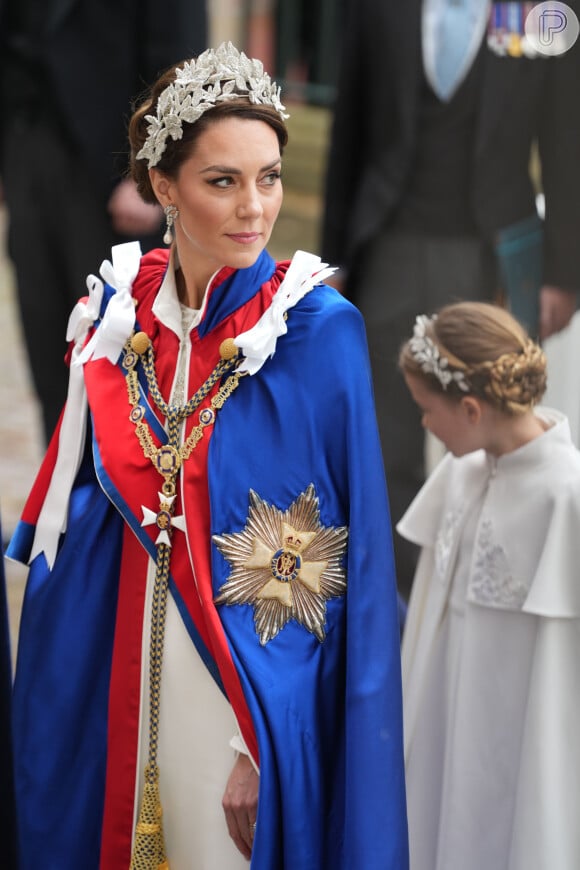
272,177
223,181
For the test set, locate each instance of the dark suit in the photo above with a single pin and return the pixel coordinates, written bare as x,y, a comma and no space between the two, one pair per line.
396,271
69,71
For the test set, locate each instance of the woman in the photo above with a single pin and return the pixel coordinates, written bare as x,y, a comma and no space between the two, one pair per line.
220,616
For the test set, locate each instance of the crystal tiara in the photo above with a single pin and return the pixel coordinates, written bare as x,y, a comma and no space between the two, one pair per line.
427,354
216,76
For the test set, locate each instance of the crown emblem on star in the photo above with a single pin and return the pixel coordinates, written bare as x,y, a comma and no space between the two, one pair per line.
285,564
216,76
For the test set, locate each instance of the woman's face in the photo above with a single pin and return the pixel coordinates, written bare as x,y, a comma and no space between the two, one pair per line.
228,193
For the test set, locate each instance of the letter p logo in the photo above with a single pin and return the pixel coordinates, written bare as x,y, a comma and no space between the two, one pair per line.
551,28
551,22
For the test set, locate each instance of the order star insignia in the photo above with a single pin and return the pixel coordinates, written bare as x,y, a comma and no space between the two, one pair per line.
285,564
163,519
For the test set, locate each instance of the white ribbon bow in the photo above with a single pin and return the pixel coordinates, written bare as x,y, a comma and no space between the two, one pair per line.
259,342
84,313
52,519
119,318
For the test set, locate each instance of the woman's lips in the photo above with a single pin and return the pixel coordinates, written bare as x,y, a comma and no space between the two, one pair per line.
244,238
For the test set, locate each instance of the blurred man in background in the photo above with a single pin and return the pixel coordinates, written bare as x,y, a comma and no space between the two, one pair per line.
69,71
429,196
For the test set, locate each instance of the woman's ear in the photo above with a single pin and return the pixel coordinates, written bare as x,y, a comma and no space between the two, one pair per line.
472,407
161,186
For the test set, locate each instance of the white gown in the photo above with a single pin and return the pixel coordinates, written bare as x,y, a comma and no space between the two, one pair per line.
491,660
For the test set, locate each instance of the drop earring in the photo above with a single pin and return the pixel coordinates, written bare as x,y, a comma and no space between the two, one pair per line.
171,215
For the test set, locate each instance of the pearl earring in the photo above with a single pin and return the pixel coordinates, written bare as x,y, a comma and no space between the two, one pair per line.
171,215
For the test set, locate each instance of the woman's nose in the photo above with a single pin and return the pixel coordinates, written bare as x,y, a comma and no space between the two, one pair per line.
249,204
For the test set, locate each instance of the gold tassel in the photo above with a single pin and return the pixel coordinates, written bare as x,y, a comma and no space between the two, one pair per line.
149,846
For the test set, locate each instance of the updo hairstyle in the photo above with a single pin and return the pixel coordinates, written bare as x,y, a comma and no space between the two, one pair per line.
499,362
179,150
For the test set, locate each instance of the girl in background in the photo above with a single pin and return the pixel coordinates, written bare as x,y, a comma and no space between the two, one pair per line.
491,684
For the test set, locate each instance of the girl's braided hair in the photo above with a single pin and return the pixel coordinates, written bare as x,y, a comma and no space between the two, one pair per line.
490,351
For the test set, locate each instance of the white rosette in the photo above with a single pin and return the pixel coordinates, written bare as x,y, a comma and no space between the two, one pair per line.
259,343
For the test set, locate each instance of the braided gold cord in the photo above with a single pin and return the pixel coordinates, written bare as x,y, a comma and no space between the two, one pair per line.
149,844
180,412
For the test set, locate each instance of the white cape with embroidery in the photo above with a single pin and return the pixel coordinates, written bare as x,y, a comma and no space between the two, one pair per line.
491,660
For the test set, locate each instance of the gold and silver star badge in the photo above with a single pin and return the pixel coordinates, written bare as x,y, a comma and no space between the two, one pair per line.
285,564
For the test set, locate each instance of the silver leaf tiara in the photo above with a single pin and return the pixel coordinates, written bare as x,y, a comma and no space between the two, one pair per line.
216,76
427,354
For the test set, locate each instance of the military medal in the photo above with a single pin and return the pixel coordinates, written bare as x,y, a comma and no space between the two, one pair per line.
506,34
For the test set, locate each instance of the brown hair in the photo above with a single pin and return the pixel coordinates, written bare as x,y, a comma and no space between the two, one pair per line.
490,348
177,151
